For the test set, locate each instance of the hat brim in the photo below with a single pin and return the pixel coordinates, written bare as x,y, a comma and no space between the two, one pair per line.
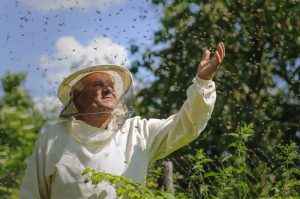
123,83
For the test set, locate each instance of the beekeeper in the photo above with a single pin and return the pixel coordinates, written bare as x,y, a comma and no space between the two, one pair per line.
96,132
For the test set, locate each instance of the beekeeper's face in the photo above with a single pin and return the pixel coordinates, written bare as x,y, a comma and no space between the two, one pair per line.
95,93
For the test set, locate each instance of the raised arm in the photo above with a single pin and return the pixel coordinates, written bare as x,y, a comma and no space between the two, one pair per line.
166,136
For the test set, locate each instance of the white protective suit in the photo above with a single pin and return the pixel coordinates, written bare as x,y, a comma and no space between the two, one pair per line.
67,148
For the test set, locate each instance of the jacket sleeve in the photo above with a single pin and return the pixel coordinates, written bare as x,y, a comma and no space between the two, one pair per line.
35,183
167,135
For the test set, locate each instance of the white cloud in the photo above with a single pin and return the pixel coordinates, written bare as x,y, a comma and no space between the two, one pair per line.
50,5
47,104
70,55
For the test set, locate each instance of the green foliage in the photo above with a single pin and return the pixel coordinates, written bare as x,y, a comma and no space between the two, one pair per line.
258,81
155,172
241,173
125,187
20,124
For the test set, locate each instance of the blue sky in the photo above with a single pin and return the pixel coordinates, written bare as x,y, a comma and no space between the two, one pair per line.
46,38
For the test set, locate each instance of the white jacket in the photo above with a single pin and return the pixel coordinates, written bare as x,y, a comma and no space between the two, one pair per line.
67,148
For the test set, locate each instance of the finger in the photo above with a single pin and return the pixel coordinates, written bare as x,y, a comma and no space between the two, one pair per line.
206,55
216,59
206,64
220,50
219,58
223,48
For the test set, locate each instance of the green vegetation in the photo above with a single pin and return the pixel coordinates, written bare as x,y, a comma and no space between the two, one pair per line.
20,124
124,186
257,83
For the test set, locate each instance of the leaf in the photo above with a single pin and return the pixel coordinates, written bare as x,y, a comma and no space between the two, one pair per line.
86,171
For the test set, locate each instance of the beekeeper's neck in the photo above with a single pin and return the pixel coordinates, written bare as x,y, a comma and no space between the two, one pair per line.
96,120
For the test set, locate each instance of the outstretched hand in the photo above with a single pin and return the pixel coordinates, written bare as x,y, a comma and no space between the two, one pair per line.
208,66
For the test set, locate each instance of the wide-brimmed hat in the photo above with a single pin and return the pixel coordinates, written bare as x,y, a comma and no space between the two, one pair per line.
122,78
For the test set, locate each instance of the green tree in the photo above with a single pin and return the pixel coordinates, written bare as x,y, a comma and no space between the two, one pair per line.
20,124
259,78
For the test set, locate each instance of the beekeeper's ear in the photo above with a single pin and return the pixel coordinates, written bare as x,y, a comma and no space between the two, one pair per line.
76,89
